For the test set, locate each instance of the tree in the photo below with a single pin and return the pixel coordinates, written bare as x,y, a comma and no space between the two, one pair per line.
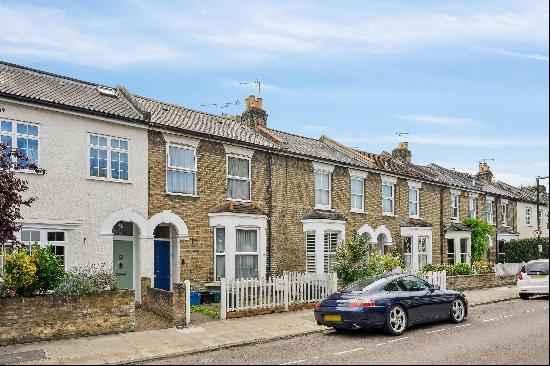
480,232
11,189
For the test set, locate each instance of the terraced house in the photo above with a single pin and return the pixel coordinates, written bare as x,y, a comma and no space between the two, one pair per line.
163,191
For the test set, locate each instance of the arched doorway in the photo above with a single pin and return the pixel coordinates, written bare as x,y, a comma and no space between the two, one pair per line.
383,239
168,231
124,234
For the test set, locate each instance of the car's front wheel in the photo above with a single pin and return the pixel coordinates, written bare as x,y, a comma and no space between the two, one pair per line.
458,311
524,296
396,321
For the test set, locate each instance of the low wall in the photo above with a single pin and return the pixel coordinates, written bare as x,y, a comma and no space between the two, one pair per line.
168,304
54,317
471,282
264,311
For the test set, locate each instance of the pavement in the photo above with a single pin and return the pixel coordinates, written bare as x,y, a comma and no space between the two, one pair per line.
168,343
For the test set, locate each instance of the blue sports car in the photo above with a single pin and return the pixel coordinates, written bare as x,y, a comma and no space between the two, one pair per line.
392,302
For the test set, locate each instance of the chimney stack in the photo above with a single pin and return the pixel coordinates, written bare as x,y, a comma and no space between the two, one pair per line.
254,115
485,173
402,153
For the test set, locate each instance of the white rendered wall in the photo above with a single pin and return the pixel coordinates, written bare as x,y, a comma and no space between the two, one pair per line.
526,231
66,195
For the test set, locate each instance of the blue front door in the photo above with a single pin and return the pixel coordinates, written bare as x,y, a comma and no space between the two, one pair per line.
162,264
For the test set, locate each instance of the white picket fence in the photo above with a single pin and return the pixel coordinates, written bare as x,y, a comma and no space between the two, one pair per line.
289,289
438,278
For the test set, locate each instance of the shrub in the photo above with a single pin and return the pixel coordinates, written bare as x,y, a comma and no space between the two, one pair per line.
461,269
524,250
86,280
355,260
452,270
483,266
49,270
480,231
20,272
434,268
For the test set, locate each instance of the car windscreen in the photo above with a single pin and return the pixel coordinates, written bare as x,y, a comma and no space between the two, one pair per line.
365,284
537,268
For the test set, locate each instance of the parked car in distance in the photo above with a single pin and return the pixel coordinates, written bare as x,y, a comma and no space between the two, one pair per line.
391,302
533,278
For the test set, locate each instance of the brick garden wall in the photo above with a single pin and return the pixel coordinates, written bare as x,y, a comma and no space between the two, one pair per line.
167,304
471,282
54,317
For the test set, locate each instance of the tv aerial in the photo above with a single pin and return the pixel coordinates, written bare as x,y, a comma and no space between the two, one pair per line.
400,134
257,82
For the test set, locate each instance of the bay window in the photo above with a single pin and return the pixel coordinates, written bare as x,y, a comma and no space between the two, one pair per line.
310,252
407,251
463,250
181,171
108,157
504,210
246,254
238,178
422,251
330,243
219,247
450,251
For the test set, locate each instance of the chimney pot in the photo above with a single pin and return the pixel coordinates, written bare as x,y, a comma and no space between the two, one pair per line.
402,152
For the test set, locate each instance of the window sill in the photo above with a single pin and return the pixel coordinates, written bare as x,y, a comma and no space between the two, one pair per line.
181,194
26,171
237,200
414,216
357,211
322,207
109,180
389,214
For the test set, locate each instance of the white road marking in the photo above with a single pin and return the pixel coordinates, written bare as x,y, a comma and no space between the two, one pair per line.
299,361
398,339
381,344
499,318
349,351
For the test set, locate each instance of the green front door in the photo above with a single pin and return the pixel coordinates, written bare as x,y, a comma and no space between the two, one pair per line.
123,263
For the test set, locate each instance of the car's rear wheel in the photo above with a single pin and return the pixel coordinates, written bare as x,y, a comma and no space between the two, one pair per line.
458,311
524,296
396,321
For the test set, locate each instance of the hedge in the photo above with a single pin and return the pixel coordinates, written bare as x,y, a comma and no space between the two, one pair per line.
524,250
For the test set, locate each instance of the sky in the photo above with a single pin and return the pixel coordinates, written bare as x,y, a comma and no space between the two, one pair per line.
466,80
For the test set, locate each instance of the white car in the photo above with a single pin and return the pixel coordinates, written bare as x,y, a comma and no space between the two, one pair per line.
533,278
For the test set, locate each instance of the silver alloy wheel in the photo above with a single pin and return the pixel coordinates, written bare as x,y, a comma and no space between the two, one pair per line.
457,310
398,319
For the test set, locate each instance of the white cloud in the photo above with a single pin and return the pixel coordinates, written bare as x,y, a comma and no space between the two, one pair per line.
529,56
316,128
199,33
440,120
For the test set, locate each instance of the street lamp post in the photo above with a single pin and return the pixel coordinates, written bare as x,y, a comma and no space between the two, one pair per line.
538,202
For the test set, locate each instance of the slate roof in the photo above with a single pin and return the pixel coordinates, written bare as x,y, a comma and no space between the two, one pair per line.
17,82
250,208
389,164
175,116
315,148
323,215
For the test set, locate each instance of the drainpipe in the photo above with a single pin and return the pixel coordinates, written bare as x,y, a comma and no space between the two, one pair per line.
441,223
496,231
270,210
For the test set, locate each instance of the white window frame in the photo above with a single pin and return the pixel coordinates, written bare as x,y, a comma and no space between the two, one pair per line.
234,177
504,211
416,203
419,253
388,181
415,234
319,205
220,254
330,255
472,207
408,254
43,242
14,135
319,227
489,210
357,195
310,254
231,222
256,253
528,216
180,169
110,150
455,199
461,253
457,236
